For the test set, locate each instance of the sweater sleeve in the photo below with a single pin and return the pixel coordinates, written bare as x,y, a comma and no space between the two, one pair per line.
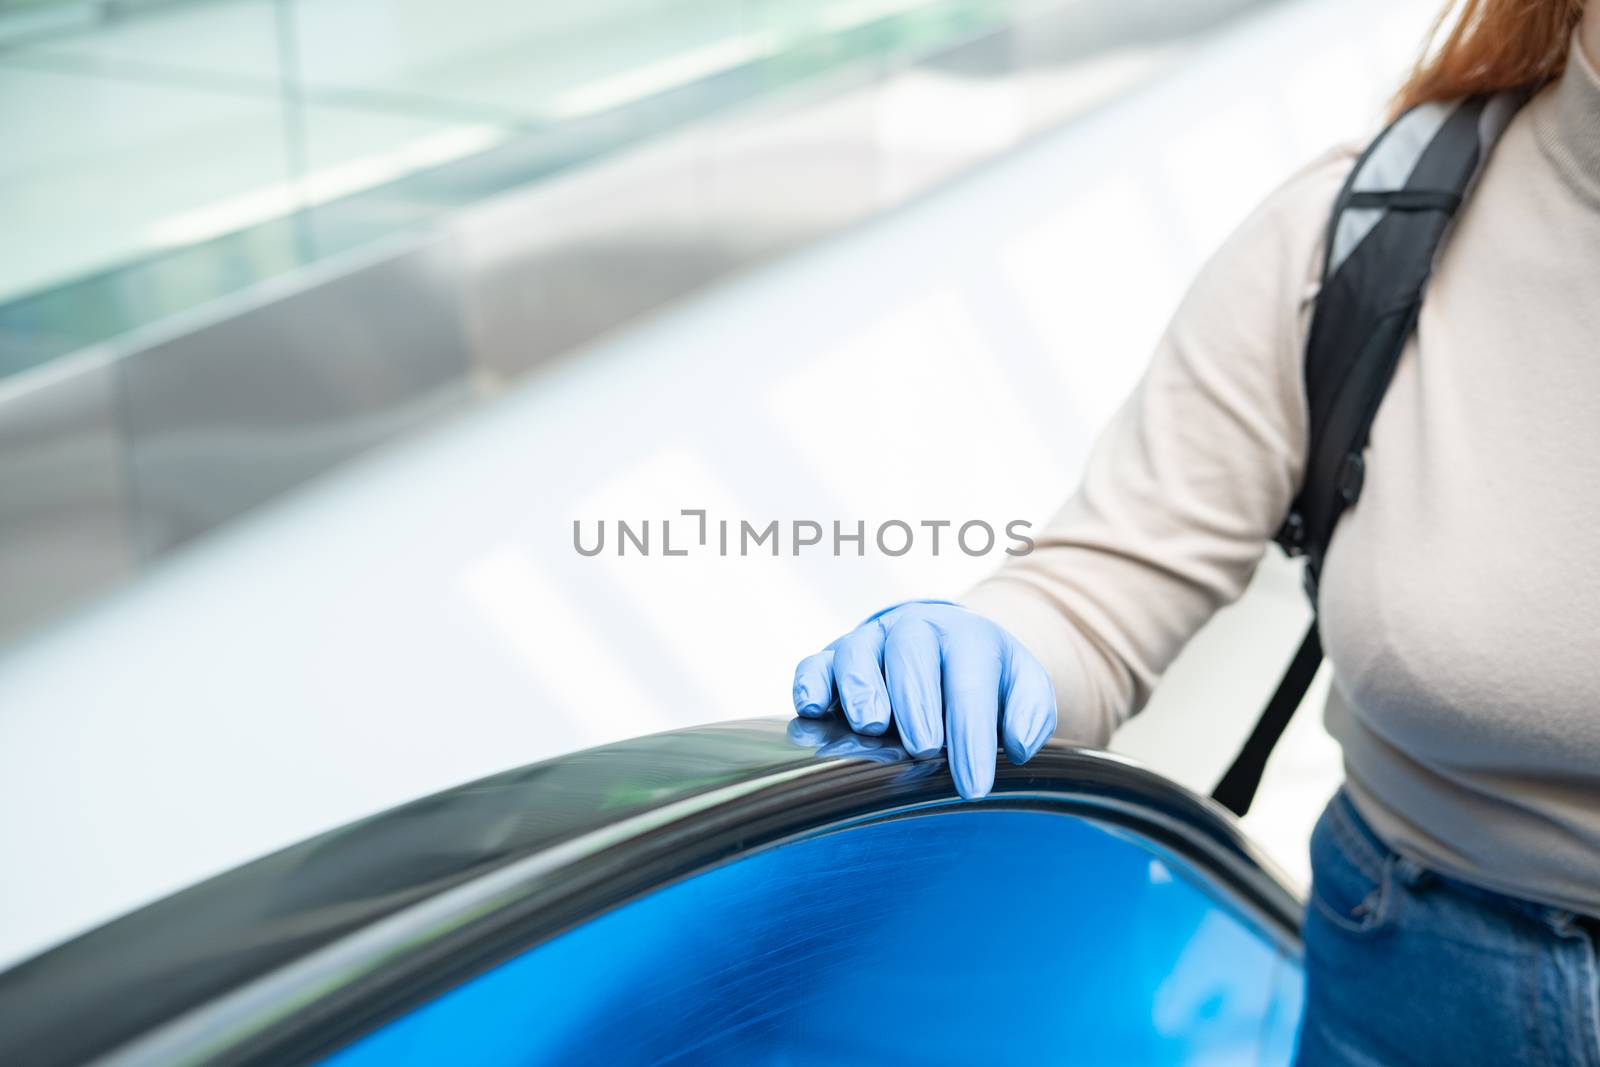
1187,484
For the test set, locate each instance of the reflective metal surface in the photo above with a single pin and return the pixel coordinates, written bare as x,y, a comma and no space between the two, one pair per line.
63,491
291,956
231,412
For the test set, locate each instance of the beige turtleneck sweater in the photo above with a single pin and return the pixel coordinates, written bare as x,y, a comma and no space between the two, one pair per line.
1460,603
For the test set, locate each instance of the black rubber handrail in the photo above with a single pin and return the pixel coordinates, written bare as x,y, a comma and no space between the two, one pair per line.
289,957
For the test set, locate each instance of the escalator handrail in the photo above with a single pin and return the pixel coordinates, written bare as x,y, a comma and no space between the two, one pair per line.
291,956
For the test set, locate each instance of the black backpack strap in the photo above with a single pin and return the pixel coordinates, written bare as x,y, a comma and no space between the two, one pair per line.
1238,787
1384,236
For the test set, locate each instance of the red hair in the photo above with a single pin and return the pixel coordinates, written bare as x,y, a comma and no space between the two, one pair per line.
1491,45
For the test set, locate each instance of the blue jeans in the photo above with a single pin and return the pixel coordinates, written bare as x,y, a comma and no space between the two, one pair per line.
1407,966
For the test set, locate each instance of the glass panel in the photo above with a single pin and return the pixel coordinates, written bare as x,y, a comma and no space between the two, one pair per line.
958,937
161,157
106,152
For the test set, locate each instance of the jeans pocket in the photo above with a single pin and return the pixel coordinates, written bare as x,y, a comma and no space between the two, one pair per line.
1352,877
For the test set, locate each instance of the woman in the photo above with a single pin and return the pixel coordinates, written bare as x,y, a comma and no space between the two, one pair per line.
1456,875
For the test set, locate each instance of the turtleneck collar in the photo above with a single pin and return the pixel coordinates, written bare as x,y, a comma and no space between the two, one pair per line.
1569,124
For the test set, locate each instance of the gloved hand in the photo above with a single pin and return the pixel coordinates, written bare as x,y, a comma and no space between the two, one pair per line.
943,673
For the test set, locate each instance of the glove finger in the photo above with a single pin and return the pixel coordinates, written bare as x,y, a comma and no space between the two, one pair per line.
1029,716
911,668
972,709
813,685
858,675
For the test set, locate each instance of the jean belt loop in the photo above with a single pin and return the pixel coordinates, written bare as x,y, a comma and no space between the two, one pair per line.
1409,873
1562,921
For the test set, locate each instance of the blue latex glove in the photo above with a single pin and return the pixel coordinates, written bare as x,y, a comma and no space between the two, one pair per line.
942,672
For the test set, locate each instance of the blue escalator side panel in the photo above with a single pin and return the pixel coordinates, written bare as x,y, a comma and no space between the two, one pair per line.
959,937
1281,1028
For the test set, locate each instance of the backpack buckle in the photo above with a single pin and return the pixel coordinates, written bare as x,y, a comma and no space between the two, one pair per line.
1291,536
1352,476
